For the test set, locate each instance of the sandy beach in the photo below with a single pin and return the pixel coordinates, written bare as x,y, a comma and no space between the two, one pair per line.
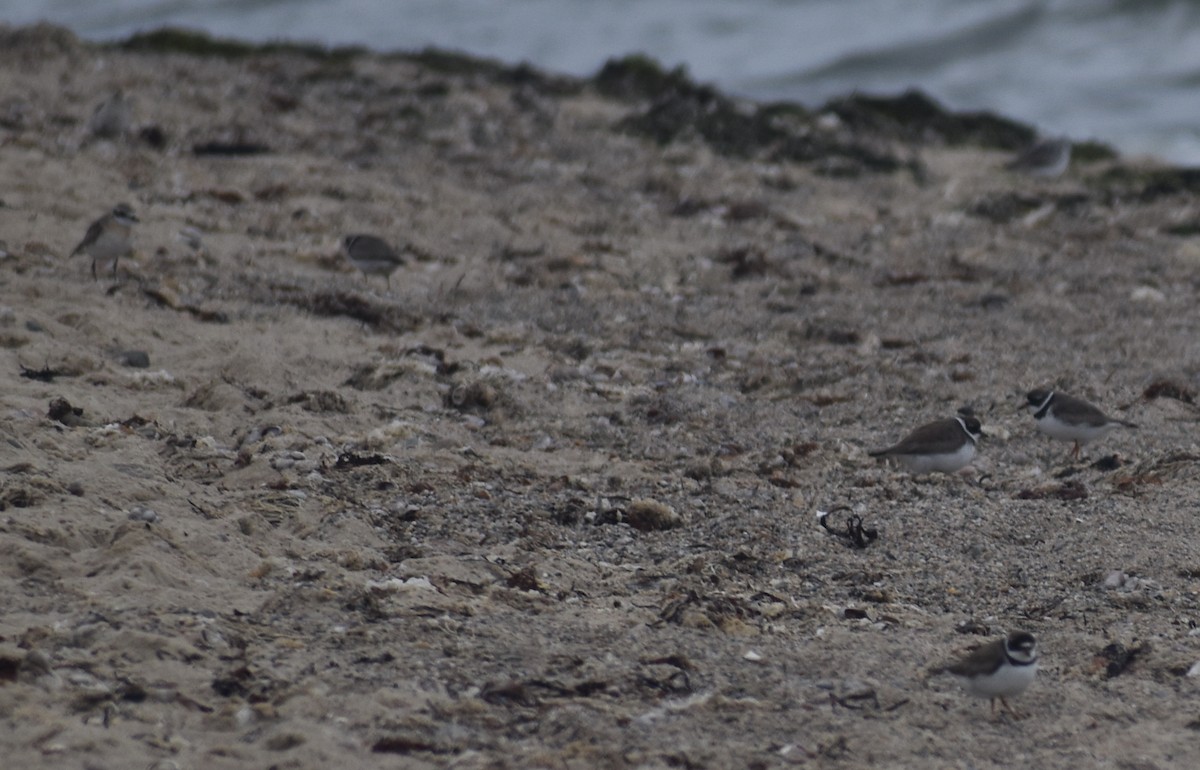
550,499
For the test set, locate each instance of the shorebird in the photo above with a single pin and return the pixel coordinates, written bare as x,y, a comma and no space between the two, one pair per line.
946,446
109,237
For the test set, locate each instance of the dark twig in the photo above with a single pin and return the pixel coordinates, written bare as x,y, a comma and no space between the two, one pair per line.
855,535
45,374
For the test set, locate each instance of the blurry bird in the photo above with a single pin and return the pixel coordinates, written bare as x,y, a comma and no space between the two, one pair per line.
109,237
372,255
111,118
1047,158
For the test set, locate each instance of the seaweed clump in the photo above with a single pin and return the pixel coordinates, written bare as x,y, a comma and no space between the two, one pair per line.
195,43
680,107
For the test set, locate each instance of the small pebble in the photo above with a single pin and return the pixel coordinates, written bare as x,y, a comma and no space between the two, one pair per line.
245,716
142,513
191,237
36,664
153,136
138,359
1147,294
286,460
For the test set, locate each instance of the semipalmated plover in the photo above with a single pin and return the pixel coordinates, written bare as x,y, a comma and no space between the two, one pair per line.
372,255
109,237
111,118
1047,158
1067,418
1000,669
946,446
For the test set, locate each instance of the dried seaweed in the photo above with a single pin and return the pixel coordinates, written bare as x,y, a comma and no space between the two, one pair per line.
855,534
1116,658
1070,490
355,460
1169,389
45,374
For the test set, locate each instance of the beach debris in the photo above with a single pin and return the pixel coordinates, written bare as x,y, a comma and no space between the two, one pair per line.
170,299
1068,490
400,744
1108,463
143,514
856,700
478,396
532,692
61,411
724,611
642,514
1116,658
1147,294
1169,389
153,135
675,683
645,515
356,460
973,627
137,359
320,401
1115,579
45,374
525,579
745,261
855,534
10,664
230,148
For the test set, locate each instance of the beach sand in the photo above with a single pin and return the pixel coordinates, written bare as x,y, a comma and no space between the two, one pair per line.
550,501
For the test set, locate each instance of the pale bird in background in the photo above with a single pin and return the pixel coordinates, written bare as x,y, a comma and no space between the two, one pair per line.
111,118
1047,158
108,238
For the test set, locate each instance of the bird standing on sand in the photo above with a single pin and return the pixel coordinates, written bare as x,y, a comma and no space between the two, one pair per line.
111,118
946,446
1000,669
1048,158
372,255
109,237
1067,418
